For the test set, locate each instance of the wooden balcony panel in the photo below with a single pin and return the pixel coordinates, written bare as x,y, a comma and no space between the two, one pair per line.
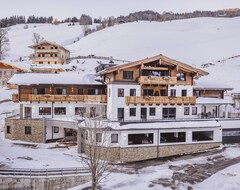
157,80
15,97
159,100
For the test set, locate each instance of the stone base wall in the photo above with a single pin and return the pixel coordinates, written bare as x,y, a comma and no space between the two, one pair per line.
47,183
17,130
145,153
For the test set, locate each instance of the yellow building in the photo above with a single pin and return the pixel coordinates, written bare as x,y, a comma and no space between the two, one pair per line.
47,52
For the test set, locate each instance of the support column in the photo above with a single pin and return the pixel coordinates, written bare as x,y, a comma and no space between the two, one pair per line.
226,112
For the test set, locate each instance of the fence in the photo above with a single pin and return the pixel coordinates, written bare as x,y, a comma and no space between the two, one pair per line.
44,172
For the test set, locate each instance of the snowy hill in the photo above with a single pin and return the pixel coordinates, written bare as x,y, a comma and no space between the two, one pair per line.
193,41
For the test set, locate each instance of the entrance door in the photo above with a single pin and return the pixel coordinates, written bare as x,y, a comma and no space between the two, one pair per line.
120,113
27,112
144,113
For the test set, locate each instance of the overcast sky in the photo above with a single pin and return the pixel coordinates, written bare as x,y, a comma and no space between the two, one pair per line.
67,8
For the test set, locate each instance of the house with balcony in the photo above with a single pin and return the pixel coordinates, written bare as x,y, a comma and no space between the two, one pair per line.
46,52
50,105
149,109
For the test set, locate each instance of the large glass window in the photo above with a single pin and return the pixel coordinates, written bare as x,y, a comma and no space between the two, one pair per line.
147,92
60,111
134,139
169,113
202,136
114,138
172,137
184,92
132,92
186,110
156,73
39,91
163,92
181,76
91,91
80,111
132,112
45,111
61,91
173,92
120,92
194,110
80,91
128,75
152,111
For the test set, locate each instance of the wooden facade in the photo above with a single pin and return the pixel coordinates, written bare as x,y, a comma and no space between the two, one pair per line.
62,93
49,53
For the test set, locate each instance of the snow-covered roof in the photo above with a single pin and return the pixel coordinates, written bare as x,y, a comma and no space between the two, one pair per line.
50,43
205,83
167,125
58,78
207,100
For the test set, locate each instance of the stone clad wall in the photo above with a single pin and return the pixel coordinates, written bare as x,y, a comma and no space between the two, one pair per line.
132,154
17,131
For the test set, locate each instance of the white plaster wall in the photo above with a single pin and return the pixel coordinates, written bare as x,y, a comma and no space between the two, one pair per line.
115,102
51,135
179,89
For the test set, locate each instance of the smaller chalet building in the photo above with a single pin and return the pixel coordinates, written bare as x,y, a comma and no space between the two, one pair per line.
7,71
46,52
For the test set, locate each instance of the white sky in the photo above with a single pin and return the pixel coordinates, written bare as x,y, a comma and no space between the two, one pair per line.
62,9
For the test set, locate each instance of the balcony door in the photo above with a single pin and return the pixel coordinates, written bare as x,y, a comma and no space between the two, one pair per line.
28,112
143,113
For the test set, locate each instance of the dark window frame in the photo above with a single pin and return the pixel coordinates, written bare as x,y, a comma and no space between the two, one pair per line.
186,110
8,130
114,136
132,112
55,129
45,111
132,92
152,111
120,92
28,130
184,92
128,75
194,110
181,76
63,112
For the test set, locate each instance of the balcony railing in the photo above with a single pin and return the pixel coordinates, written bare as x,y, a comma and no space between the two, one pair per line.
60,98
160,100
166,80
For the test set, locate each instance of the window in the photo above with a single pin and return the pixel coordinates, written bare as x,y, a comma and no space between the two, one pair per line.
48,62
186,110
128,75
55,55
99,137
45,111
80,111
114,138
184,92
120,92
132,112
152,111
51,55
28,130
202,136
163,92
60,111
134,139
147,92
172,137
56,129
194,110
91,92
120,112
80,91
173,92
93,111
132,92
61,91
39,91
197,93
86,135
169,113
8,129
51,47
181,76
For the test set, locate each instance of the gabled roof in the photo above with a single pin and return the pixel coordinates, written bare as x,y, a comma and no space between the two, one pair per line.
47,42
4,65
160,58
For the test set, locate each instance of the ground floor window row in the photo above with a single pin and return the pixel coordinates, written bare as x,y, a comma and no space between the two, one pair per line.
169,137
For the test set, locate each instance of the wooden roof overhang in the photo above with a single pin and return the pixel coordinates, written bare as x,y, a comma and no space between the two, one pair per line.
162,60
4,65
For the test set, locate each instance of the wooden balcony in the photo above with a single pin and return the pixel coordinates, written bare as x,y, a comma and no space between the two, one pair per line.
167,80
15,97
61,98
160,100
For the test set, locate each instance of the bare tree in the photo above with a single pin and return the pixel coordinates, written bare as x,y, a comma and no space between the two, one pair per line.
95,142
4,43
37,38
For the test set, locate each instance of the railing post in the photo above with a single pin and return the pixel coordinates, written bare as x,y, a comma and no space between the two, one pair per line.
46,173
62,172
